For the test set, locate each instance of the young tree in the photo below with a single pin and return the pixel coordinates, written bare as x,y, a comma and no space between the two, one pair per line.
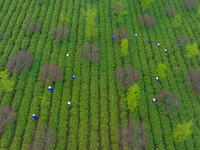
63,17
145,4
20,62
182,131
118,7
134,136
7,116
190,4
124,47
44,138
32,26
170,10
192,50
198,12
121,34
147,21
2,37
132,97
5,83
39,1
91,24
182,40
44,102
90,52
167,102
177,21
193,79
59,33
127,75
161,71
50,71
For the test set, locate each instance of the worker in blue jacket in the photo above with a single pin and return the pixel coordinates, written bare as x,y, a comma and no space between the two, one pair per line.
73,78
113,37
50,88
34,116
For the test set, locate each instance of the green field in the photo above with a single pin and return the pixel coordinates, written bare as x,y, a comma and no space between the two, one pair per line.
100,118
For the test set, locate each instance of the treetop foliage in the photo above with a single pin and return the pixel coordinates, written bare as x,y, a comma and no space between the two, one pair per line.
132,97
134,135
147,21
192,50
182,131
190,4
145,4
91,24
50,71
121,34
7,116
182,40
43,139
127,76
118,7
2,37
32,26
194,80
90,52
39,1
167,102
20,62
59,33
161,71
177,21
124,47
170,10
5,83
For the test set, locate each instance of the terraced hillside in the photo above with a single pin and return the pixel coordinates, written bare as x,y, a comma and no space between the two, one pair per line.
115,79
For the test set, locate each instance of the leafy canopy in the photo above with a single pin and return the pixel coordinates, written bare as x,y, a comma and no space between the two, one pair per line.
177,21
90,52
145,4
5,83
91,25
44,102
192,50
132,97
124,47
161,71
182,131
198,12
118,7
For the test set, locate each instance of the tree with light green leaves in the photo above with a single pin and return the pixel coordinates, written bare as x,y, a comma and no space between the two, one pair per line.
177,21
182,131
198,13
145,4
118,7
44,102
5,83
91,24
63,18
132,97
161,71
192,50
124,47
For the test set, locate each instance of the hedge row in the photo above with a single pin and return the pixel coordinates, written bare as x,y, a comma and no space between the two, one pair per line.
112,89
103,81
94,96
84,101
